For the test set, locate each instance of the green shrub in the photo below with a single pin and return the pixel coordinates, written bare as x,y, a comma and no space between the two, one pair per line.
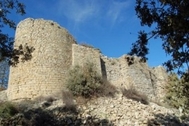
177,94
84,81
7,109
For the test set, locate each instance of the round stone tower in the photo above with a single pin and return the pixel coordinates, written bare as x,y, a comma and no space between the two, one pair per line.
45,73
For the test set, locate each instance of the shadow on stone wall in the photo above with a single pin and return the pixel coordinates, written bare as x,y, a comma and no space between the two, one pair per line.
152,85
166,120
103,69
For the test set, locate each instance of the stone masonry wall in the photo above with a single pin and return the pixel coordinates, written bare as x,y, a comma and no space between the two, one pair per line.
161,81
82,55
138,75
47,70
3,96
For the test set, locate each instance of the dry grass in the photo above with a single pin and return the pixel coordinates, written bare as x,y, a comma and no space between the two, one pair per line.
68,99
45,100
86,45
133,94
81,100
107,89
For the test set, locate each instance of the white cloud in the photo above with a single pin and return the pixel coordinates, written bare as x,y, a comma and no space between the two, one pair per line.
80,11
116,9
77,11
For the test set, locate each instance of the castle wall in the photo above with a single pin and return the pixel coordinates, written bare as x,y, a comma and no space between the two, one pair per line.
56,51
137,75
45,73
161,81
82,55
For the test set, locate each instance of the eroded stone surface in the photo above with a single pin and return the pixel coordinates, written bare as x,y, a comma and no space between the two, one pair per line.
45,73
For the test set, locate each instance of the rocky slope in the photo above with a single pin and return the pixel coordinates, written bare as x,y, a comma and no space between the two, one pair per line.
126,112
104,111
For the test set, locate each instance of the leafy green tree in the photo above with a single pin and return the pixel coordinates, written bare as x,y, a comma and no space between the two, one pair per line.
170,21
6,7
6,42
4,72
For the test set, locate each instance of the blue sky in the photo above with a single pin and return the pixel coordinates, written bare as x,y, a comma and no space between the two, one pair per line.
110,25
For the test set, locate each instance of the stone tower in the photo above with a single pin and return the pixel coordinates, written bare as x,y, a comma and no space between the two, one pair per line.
45,73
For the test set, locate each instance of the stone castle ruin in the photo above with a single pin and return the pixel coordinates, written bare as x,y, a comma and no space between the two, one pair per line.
56,52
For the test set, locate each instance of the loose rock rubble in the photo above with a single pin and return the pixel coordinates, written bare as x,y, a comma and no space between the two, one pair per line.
126,112
102,111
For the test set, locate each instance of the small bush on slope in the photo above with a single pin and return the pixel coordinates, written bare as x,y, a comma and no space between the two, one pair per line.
7,109
84,81
177,94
